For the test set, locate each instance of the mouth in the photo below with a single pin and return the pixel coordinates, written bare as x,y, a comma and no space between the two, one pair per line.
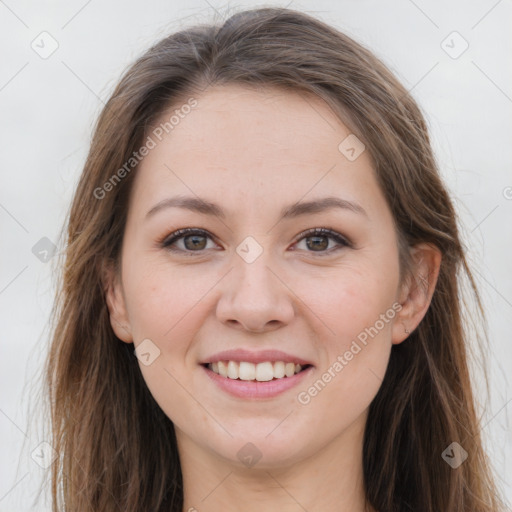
264,371
264,380
246,374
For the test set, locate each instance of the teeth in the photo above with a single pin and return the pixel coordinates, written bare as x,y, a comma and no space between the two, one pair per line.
233,370
289,369
247,370
262,372
279,369
223,369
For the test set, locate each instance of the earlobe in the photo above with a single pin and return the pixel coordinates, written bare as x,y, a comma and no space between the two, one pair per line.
116,305
417,290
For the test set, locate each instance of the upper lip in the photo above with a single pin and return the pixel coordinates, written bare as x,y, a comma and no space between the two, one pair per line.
250,356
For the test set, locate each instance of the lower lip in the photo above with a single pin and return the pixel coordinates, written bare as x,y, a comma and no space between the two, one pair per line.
254,389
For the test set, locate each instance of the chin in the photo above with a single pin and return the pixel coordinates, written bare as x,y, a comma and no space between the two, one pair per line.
265,452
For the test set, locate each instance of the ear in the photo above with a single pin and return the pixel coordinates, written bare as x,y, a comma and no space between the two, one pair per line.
116,304
417,290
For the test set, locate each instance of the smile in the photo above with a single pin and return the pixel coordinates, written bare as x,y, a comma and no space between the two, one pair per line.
261,372
264,380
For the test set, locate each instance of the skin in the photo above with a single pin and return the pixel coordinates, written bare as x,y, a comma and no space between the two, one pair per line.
254,152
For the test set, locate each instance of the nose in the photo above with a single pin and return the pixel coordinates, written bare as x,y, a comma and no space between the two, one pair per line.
254,297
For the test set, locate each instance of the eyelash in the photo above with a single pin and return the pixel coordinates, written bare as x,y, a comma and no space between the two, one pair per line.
182,233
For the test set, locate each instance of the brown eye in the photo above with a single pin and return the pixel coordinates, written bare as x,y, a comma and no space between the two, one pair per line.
187,241
192,242
317,240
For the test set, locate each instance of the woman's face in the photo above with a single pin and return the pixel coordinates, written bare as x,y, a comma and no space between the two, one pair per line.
252,171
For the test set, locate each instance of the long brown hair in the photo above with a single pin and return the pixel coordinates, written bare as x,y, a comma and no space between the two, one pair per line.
117,449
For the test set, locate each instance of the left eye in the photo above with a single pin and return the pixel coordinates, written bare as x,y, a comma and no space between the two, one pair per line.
195,240
318,238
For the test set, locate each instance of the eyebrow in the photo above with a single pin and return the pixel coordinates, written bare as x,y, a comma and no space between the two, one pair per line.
196,204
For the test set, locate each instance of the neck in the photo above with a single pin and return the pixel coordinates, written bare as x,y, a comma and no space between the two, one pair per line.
330,479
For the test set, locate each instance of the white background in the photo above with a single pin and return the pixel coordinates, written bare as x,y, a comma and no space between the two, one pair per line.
48,107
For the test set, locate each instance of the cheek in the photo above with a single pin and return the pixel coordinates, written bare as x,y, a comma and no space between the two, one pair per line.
354,361
163,300
165,306
356,309
350,300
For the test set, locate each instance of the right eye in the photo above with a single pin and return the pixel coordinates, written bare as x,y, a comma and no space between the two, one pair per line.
193,241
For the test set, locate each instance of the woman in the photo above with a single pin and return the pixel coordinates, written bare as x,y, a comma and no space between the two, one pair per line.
260,301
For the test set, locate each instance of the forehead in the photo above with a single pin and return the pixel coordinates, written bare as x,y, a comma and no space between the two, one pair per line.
264,122
254,146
